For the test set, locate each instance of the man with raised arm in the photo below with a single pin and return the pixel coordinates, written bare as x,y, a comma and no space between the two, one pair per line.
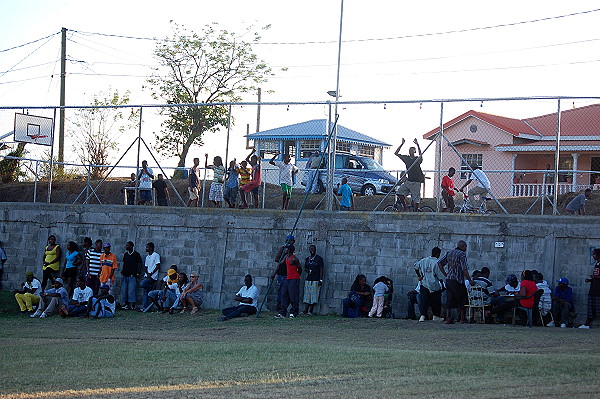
415,176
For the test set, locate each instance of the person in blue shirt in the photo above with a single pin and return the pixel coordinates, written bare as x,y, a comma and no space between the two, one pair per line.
562,302
347,203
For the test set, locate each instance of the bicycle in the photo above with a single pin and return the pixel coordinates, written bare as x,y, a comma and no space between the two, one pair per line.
397,207
467,207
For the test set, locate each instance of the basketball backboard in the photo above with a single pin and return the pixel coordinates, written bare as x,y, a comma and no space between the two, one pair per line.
33,129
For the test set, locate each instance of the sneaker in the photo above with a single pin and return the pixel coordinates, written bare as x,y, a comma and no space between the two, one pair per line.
563,325
584,326
422,318
194,311
292,316
43,315
436,318
37,313
279,316
551,324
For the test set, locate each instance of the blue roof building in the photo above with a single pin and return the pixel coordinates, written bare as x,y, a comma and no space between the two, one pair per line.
300,140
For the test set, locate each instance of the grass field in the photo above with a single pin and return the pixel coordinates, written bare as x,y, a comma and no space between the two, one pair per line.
139,355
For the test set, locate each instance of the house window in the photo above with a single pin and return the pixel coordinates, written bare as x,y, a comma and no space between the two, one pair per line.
468,160
289,147
367,152
342,147
268,147
309,147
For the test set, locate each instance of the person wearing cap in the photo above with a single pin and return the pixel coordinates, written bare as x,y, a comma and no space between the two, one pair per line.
108,262
79,301
562,302
291,288
482,187
280,272
161,296
102,305
28,295
247,297
52,300
593,308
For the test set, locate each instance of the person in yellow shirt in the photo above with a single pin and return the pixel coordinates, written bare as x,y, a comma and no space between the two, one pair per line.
51,265
108,262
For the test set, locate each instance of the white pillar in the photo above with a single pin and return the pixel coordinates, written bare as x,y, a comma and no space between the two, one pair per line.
574,184
512,178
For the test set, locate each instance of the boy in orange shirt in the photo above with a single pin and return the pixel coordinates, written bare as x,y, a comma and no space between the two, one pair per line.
108,262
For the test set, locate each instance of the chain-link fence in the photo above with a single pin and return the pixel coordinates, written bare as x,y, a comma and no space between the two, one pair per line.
534,154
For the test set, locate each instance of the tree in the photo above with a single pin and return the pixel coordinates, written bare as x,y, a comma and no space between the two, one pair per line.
94,130
207,67
10,169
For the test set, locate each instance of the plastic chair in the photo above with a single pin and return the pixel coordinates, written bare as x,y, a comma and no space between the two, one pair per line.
476,302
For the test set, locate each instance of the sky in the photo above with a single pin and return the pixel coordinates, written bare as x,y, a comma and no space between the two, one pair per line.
391,51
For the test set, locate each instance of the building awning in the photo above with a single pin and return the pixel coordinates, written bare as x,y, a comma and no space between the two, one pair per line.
550,146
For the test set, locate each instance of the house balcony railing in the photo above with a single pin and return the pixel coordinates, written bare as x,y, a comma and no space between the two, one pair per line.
537,189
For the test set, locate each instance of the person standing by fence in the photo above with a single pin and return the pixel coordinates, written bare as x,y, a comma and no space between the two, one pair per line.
415,176
254,161
448,191
145,176
193,184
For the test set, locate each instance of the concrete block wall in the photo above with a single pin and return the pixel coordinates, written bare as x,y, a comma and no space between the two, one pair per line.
223,245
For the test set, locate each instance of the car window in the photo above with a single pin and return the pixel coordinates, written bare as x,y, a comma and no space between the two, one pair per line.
341,161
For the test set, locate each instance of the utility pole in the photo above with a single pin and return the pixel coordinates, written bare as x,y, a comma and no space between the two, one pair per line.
258,110
63,73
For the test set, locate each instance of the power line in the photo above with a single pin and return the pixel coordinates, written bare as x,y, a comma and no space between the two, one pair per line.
27,67
27,56
480,28
28,43
23,80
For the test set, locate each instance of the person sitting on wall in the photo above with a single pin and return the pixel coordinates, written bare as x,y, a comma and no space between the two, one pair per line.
247,296
52,300
562,302
102,305
81,296
358,300
28,295
577,204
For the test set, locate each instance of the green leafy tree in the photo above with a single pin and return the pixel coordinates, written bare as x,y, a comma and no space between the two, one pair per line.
211,66
95,130
11,169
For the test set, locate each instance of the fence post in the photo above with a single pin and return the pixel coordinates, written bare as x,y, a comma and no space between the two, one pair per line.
556,159
438,176
37,168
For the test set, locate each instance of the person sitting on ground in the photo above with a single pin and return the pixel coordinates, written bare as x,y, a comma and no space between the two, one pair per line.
562,302
29,294
163,293
287,171
102,305
172,294
215,195
593,308
355,305
247,296
192,295
52,300
545,304
577,204
413,299
379,290
79,302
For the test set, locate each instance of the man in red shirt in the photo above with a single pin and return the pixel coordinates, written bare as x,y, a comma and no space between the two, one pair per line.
291,287
448,191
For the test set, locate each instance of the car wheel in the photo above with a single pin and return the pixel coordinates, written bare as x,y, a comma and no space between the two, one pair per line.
368,190
320,187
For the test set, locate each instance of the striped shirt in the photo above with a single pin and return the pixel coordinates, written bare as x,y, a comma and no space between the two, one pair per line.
94,265
244,176
218,173
456,260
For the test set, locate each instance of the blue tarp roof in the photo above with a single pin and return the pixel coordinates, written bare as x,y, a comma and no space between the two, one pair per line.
314,129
